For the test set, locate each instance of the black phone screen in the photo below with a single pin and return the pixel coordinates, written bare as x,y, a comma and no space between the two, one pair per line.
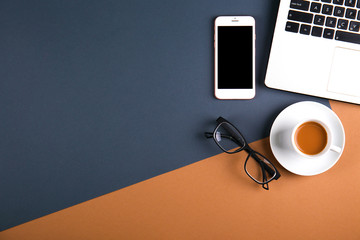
235,58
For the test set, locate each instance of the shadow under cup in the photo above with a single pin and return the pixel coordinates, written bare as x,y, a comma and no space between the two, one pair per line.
312,138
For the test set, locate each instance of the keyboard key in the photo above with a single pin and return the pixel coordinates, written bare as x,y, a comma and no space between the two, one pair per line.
316,31
354,26
292,27
319,20
328,33
327,9
347,37
327,1
315,7
339,11
300,16
350,13
342,24
305,29
358,16
350,3
300,4
358,4
338,2
330,22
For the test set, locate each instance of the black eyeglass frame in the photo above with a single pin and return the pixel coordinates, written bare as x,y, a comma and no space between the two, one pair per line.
243,145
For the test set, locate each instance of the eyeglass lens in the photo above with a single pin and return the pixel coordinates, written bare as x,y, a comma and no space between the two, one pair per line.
228,138
259,168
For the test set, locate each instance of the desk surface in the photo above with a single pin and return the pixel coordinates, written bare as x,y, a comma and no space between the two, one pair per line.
103,105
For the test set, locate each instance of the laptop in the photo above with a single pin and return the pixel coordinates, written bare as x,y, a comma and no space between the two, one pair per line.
316,49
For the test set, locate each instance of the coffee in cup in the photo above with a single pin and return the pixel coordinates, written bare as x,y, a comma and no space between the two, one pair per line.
312,138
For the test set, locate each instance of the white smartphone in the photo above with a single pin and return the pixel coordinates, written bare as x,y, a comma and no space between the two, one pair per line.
234,45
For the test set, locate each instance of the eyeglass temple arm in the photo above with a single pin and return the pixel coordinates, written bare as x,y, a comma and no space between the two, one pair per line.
265,185
208,134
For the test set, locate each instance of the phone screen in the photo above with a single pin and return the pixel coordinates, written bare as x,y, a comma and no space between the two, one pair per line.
235,58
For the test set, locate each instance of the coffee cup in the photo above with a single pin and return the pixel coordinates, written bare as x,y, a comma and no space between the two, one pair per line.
312,138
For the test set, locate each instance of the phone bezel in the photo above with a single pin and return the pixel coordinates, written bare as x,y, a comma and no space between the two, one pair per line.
234,93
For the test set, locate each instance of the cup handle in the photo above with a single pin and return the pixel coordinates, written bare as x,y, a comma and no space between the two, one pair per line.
335,149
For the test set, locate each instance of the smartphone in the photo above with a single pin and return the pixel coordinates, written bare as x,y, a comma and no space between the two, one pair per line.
234,45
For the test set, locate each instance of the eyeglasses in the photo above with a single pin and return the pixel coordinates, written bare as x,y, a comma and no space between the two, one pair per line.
230,140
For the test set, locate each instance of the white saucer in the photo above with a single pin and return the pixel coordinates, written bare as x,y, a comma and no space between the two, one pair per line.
280,138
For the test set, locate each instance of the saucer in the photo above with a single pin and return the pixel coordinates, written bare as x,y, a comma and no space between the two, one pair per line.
280,138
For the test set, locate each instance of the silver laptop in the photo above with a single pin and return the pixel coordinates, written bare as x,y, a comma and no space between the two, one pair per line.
316,49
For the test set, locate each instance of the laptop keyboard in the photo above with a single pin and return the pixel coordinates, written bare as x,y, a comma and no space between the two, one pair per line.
331,19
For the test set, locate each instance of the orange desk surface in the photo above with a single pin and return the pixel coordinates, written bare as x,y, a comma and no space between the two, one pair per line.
214,199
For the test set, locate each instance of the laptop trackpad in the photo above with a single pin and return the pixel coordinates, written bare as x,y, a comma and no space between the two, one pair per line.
345,72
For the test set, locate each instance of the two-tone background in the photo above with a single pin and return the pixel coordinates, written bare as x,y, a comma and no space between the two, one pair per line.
103,105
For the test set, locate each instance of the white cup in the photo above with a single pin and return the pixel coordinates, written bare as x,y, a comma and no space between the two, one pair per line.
329,144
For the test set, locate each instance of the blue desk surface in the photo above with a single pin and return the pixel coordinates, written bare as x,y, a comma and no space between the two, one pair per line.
98,95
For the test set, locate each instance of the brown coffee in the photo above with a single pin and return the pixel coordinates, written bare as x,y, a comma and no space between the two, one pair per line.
310,138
